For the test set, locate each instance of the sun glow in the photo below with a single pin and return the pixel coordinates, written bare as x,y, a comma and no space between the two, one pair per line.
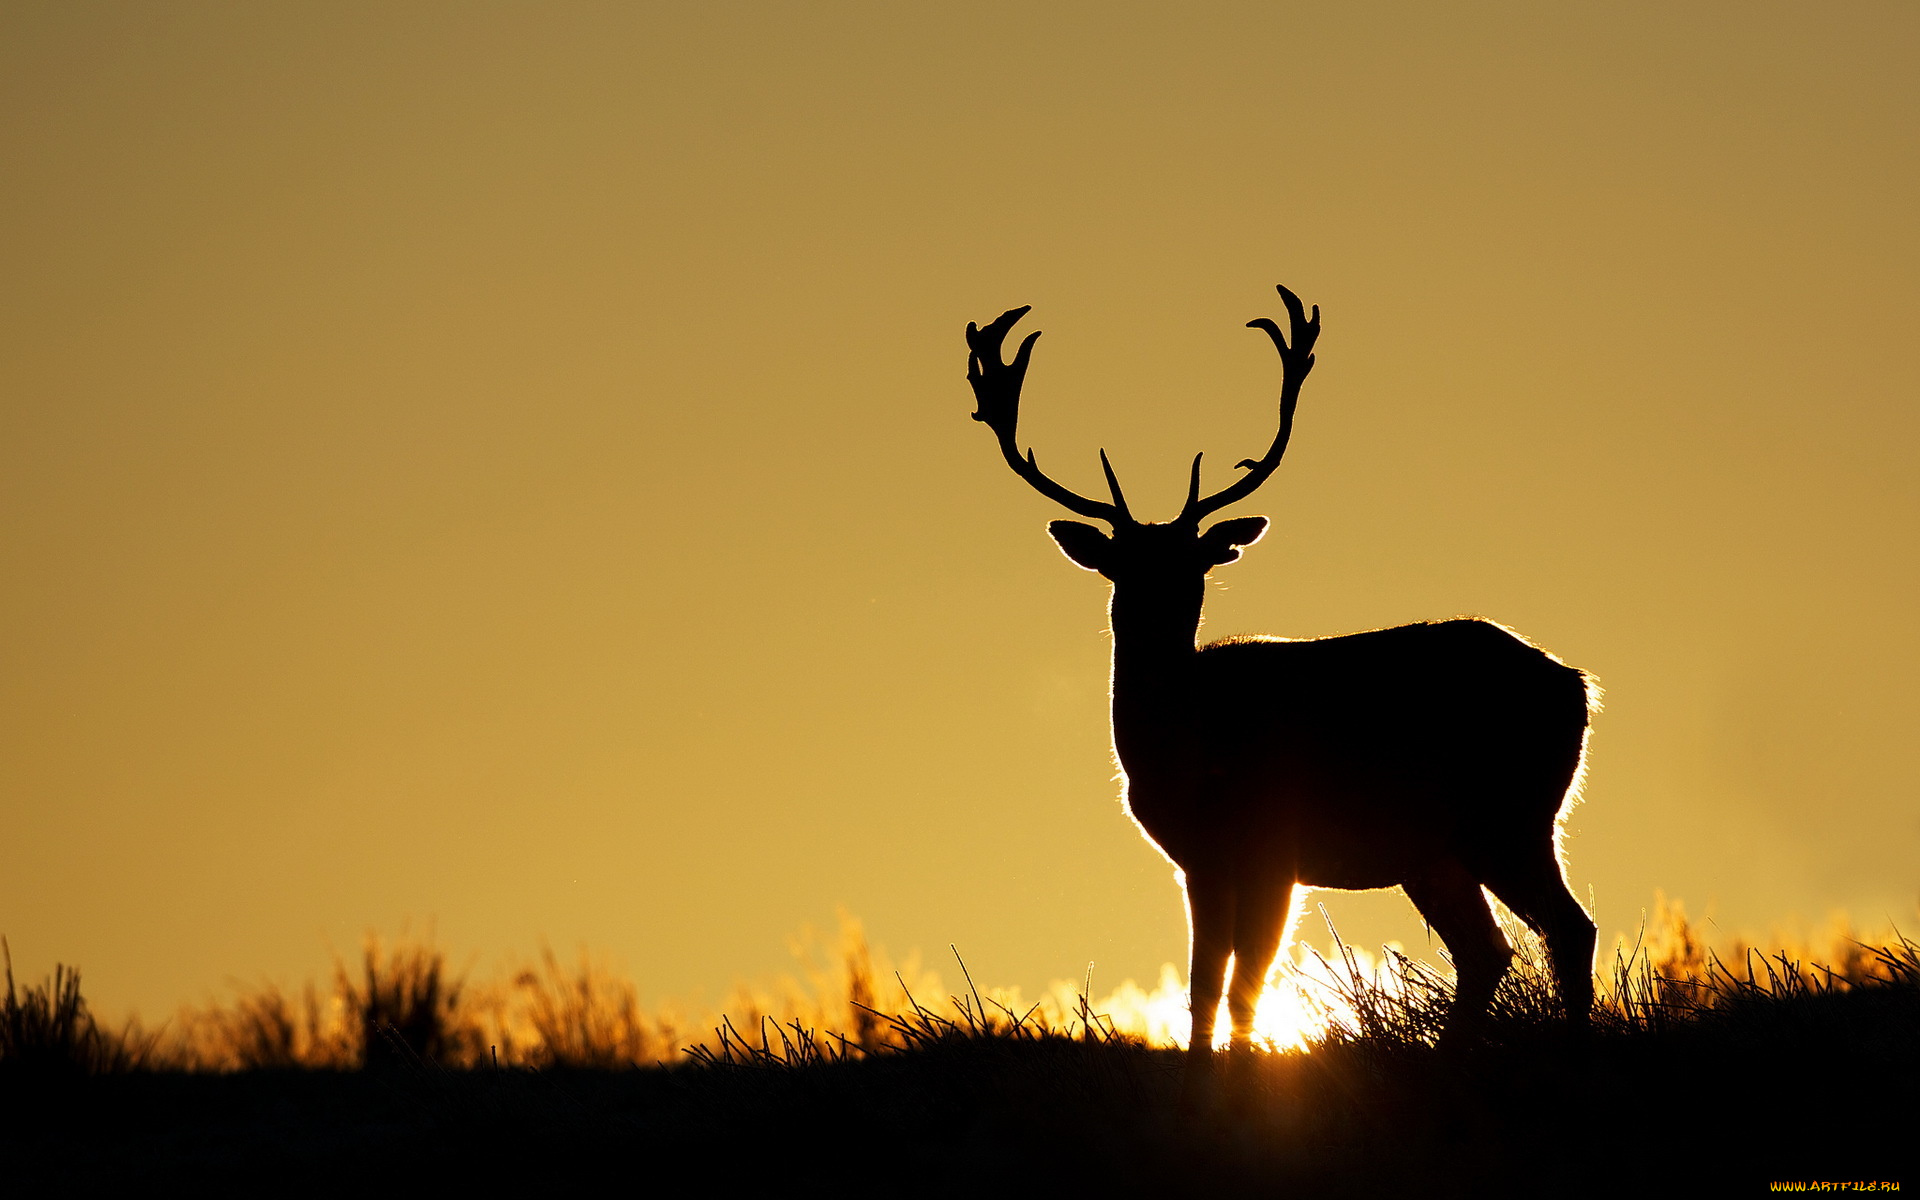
1303,1000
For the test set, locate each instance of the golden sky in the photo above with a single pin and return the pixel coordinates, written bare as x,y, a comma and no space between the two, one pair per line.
509,465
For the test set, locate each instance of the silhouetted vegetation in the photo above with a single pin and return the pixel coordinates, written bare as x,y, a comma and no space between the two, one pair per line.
46,1032
1745,1067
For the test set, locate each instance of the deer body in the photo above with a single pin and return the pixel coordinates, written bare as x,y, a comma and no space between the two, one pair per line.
1438,757
1330,759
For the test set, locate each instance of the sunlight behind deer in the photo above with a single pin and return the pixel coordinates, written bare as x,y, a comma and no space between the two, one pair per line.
1299,1005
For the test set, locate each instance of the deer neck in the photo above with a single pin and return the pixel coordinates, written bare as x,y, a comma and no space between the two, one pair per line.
1154,632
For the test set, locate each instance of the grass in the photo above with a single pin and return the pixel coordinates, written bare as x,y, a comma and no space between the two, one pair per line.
47,1032
1704,1068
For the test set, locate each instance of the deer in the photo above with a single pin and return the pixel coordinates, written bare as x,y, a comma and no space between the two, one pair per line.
1440,757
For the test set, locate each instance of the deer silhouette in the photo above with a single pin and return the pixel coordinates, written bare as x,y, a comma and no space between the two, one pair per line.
1439,757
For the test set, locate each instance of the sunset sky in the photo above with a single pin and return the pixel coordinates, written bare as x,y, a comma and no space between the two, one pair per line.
508,466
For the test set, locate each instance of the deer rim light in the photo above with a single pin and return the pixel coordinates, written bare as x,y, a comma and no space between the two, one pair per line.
1438,757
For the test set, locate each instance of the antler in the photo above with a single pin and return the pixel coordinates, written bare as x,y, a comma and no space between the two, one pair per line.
1295,361
996,389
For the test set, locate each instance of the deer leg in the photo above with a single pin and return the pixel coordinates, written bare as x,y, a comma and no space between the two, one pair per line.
1540,896
1451,901
1260,921
1210,917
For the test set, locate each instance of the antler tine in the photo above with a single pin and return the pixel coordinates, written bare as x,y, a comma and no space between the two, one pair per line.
996,389
1296,361
1113,486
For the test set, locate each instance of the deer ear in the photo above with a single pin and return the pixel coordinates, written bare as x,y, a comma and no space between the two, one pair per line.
1221,543
1084,544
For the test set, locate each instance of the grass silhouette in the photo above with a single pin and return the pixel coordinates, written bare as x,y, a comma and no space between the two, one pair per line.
1702,1068
47,1032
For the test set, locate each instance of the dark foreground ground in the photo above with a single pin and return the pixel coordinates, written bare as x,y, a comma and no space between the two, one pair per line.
1824,1090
